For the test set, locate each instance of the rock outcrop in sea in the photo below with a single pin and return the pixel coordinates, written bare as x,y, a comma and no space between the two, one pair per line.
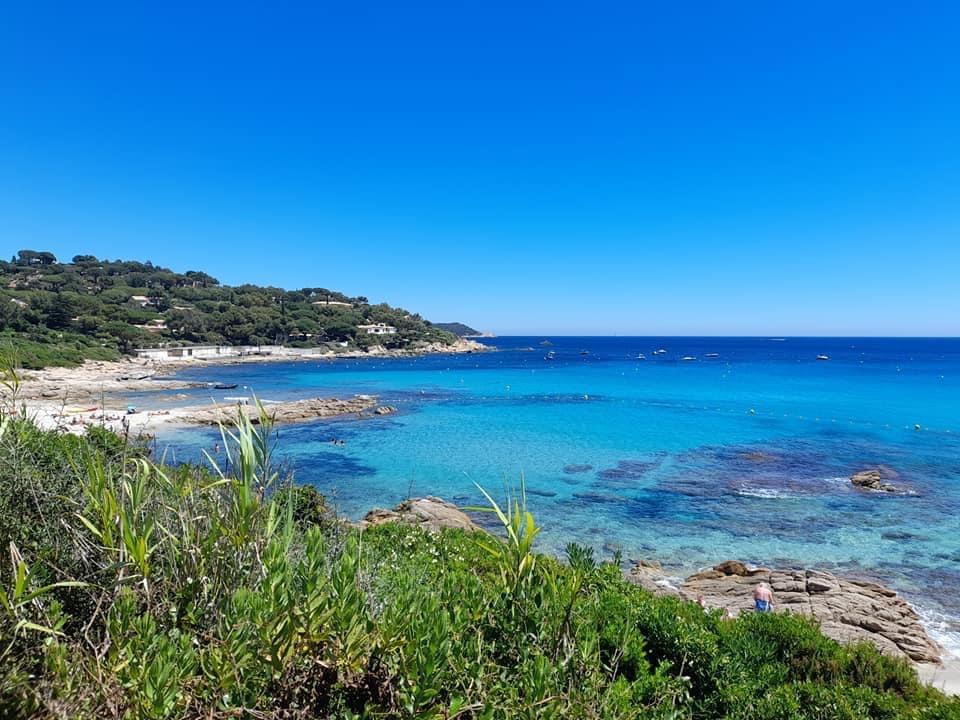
848,610
875,479
293,411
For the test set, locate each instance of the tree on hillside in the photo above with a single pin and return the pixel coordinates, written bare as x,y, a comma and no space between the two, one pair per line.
127,336
200,279
32,257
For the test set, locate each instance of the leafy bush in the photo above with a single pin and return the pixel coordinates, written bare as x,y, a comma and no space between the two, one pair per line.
150,591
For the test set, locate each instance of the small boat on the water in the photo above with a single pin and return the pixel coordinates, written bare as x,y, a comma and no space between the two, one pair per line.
641,356
224,386
661,351
711,354
688,358
550,355
546,343
823,357
584,352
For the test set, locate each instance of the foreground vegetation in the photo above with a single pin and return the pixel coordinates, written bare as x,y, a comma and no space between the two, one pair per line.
134,589
54,313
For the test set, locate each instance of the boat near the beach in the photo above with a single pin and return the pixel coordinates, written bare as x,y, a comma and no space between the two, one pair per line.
823,357
224,386
550,355
661,351
688,358
711,355
641,356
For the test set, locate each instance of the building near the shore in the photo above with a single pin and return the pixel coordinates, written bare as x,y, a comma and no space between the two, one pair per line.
196,351
378,329
205,352
331,303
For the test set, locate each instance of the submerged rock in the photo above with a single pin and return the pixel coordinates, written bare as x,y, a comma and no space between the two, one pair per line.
541,493
848,610
628,470
577,469
759,456
430,513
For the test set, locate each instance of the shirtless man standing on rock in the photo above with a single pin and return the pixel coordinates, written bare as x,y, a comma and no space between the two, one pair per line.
763,598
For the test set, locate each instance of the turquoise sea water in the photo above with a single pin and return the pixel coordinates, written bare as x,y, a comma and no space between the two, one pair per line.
743,452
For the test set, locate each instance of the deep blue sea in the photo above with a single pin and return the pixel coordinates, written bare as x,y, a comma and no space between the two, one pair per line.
744,451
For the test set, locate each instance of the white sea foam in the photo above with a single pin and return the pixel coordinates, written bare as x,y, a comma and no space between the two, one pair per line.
670,581
766,493
943,628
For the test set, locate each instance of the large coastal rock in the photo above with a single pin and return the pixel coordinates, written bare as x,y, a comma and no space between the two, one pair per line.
293,411
875,479
430,513
848,610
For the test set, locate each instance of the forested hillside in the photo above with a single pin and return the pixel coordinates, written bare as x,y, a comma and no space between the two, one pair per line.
458,329
54,313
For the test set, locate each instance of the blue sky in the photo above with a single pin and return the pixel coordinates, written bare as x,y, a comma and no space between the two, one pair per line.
630,168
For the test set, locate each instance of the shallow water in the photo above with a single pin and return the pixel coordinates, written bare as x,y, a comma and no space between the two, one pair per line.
744,455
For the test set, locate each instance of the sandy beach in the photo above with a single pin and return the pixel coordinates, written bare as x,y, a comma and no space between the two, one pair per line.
93,394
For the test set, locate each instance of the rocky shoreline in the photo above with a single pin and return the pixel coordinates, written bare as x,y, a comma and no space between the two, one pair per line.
287,412
73,399
848,609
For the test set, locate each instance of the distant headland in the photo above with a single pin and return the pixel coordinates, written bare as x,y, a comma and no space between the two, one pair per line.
62,313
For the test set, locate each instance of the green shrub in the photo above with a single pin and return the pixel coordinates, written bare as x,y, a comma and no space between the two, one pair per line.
220,594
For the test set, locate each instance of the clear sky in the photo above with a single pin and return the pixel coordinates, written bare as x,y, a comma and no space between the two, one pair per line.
591,168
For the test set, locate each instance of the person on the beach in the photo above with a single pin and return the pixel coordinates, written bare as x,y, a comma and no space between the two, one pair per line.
763,598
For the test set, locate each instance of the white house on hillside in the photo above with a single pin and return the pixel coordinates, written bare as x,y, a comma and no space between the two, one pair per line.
378,329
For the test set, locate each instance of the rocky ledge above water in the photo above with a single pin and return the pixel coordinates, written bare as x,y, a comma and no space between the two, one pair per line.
293,411
848,610
430,513
876,479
